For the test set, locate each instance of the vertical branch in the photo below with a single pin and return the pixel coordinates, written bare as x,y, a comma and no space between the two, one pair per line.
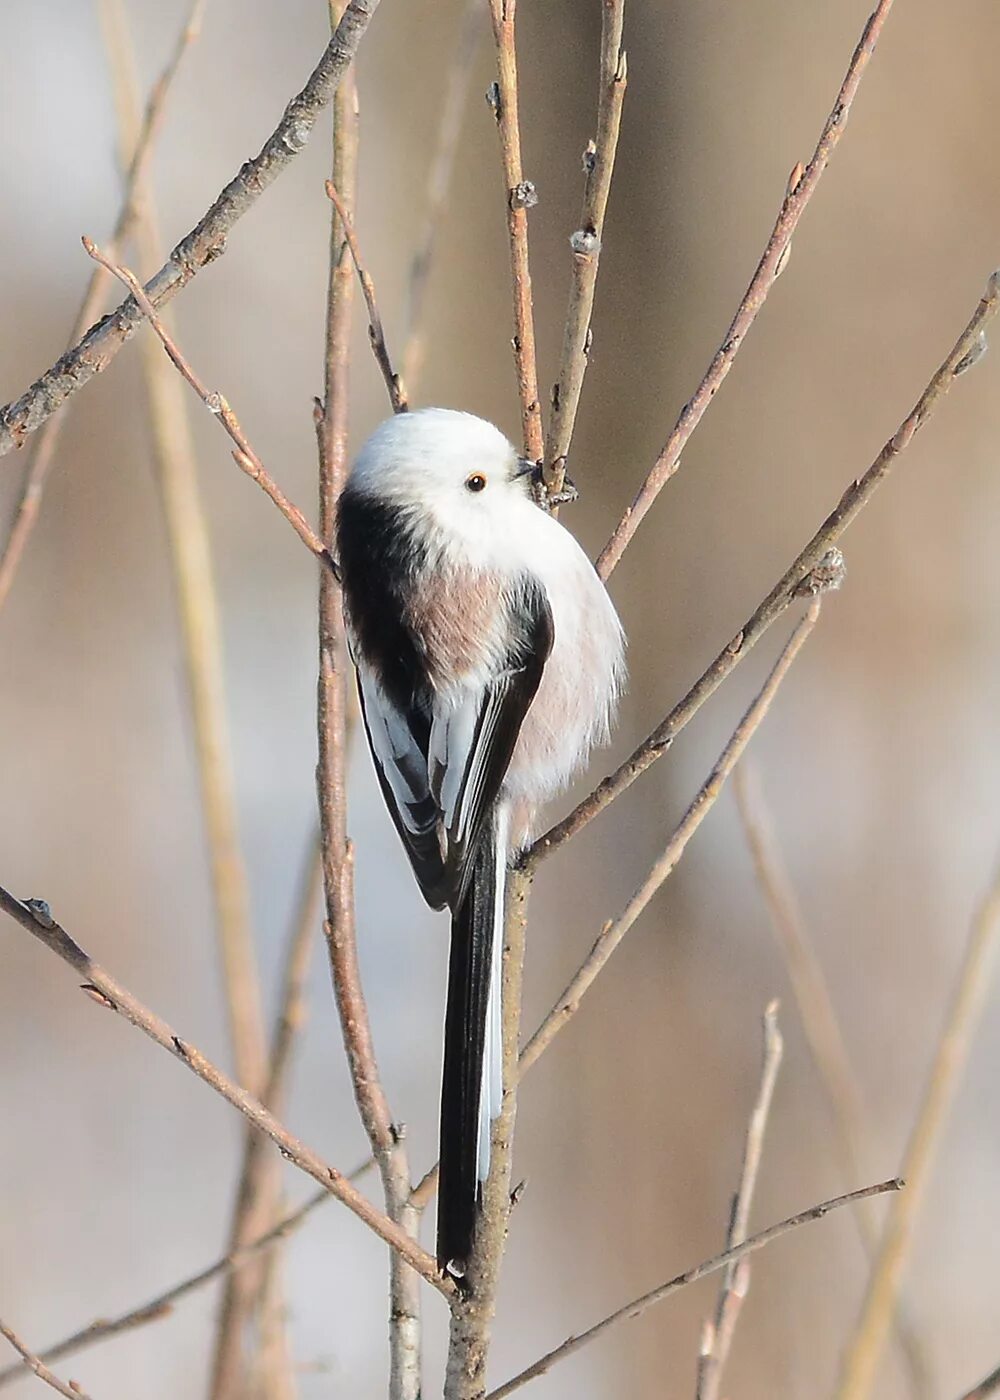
520,196
599,160
43,449
187,529
861,1360
202,634
274,1370
736,1279
473,1306
338,860
456,96
825,1040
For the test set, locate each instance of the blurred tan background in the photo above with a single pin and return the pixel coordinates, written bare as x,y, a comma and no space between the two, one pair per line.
881,759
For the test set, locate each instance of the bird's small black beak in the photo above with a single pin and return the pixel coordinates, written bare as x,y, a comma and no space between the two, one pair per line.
526,467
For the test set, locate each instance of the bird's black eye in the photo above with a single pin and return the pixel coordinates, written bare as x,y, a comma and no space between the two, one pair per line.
476,482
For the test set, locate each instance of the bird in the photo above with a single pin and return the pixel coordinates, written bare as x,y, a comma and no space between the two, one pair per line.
490,661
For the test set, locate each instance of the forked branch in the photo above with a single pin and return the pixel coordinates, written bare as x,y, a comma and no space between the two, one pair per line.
34,1363
965,352
598,164
658,1295
801,188
34,916
205,242
244,456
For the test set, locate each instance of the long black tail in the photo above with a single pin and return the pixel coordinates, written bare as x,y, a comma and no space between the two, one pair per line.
471,1087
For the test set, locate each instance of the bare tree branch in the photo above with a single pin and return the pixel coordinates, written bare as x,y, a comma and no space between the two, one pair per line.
456,94
376,332
989,1385
599,160
966,351
387,1146
244,456
520,196
205,242
201,631
736,1279
162,1305
824,1038
861,1359
615,929
700,1271
801,187
43,449
248,1294
33,1363
34,916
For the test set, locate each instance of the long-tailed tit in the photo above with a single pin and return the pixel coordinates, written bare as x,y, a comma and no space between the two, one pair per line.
489,661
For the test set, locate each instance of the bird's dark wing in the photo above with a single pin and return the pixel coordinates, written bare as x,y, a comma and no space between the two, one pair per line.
440,775
398,742
473,735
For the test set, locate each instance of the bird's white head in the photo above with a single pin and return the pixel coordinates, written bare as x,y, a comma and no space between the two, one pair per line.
457,469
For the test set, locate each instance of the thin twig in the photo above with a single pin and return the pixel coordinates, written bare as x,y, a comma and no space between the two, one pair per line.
520,196
244,456
456,95
191,559
989,1385
35,917
295,971
824,1038
700,1271
376,331
801,187
615,930
599,160
816,1011
257,1194
43,1373
205,242
791,583
43,448
736,1279
952,1053
340,928
274,1370
162,1305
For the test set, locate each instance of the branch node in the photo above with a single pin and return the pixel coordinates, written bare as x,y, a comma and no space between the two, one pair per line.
40,912
97,995
585,242
493,100
524,195
295,136
828,575
973,355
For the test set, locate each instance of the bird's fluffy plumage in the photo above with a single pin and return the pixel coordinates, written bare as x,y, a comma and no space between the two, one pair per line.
490,661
